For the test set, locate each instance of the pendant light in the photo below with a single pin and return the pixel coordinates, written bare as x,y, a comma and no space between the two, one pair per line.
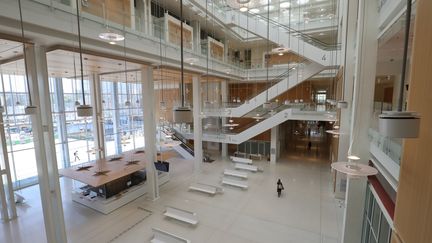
83,110
30,109
400,124
182,114
162,103
109,35
280,49
207,102
351,168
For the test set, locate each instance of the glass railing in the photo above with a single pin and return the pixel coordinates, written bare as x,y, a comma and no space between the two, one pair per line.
296,33
117,21
391,147
255,89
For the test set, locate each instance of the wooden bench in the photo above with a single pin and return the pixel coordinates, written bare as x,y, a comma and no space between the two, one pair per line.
181,215
252,168
201,187
235,173
236,183
161,236
241,160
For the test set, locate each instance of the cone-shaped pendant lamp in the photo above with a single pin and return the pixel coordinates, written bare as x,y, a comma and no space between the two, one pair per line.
182,114
400,124
83,110
30,109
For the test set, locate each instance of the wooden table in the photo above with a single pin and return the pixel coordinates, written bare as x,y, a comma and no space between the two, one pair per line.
115,168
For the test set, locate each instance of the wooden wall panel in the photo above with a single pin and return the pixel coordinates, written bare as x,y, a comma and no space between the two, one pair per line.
413,216
117,11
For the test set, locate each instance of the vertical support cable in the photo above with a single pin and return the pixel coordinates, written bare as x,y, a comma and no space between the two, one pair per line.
181,55
80,52
405,55
24,52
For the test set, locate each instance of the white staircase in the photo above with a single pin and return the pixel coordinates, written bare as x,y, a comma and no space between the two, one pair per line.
272,121
301,73
279,35
183,152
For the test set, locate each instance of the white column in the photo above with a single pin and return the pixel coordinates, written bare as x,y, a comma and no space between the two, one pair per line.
224,96
149,19
98,128
132,14
198,150
274,144
8,209
348,50
196,26
150,131
43,138
364,84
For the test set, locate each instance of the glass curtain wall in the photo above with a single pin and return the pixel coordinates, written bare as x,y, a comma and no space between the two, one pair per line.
18,130
123,115
73,135
376,228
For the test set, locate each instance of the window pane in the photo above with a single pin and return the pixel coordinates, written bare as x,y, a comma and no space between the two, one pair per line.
384,231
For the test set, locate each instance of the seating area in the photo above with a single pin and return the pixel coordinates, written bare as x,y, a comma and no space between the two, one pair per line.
161,236
235,183
252,168
209,189
235,173
241,160
181,215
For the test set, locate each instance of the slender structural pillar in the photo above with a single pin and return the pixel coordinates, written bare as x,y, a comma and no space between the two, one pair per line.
43,138
198,150
150,132
349,9
98,128
224,94
196,36
274,144
364,85
8,208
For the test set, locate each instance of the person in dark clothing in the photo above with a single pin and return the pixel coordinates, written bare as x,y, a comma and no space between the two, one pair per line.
309,146
279,187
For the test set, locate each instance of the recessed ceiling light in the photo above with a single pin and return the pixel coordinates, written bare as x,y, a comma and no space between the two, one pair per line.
254,10
322,9
112,42
285,5
321,33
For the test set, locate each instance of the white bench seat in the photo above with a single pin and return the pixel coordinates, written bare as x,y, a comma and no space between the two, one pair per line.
256,156
252,168
236,183
181,215
161,236
235,173
241,160
201,187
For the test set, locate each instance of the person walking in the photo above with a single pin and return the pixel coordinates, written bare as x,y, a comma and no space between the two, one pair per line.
279,187
76,156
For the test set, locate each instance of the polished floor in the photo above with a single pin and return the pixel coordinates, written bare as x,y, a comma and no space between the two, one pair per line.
306,213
